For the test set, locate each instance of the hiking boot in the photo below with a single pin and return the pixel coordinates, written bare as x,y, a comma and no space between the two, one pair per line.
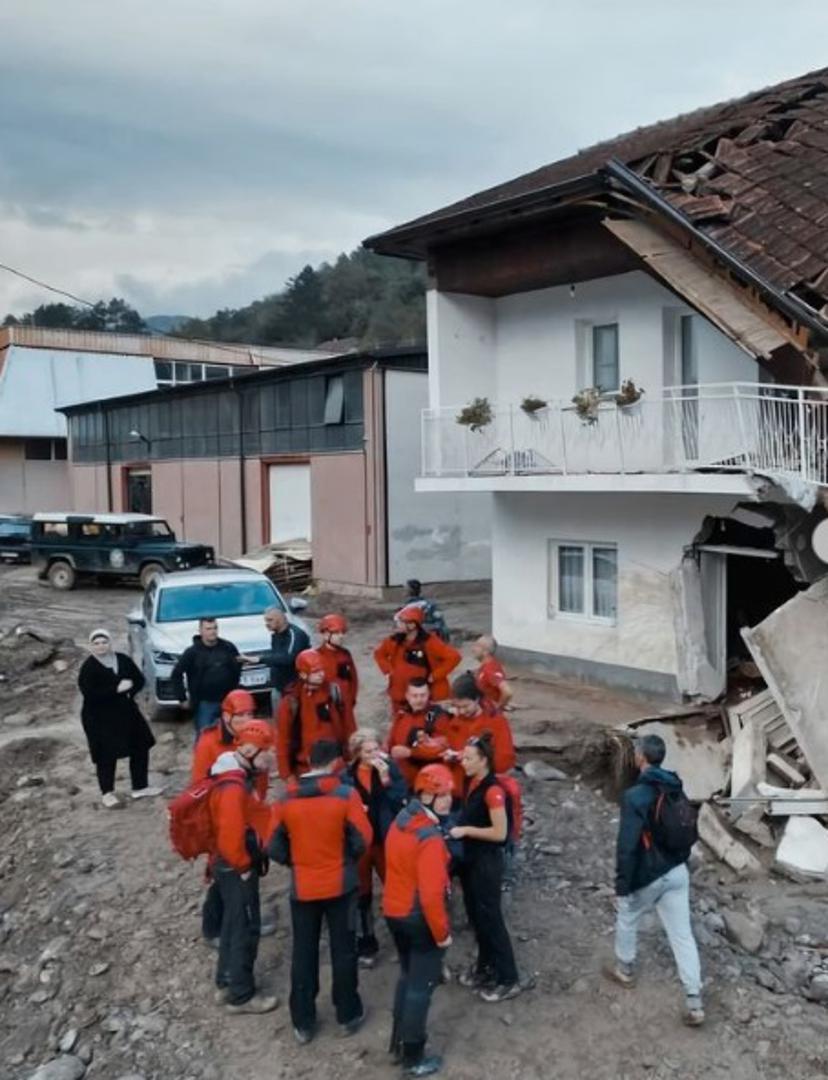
111,801
303,1035
623,974
352,1026
426,1066
147,792
500,993
259,1003
693,1013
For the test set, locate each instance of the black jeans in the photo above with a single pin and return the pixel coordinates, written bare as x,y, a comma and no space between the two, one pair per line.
212,911
239,941
307,916
138,771
421,964
481,876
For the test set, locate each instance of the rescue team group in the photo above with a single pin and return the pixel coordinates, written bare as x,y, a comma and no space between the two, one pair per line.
434,800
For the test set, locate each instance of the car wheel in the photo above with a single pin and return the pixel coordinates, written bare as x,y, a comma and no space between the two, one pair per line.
61,575
148,572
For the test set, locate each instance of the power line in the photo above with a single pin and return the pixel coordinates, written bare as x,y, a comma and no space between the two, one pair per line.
151,332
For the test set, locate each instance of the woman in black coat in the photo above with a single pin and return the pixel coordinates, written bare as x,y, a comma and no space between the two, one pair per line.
113,723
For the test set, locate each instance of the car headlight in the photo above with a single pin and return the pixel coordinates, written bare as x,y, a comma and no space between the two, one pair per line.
161,657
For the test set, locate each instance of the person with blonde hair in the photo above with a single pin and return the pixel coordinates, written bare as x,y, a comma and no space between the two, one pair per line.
380,785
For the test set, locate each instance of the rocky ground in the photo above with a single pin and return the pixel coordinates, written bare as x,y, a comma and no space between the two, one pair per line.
103,973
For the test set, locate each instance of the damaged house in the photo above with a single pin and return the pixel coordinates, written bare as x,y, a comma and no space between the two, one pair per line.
627,349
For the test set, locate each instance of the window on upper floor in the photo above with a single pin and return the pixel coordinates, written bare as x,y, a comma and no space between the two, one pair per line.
45,449
334,399
583,581
605,373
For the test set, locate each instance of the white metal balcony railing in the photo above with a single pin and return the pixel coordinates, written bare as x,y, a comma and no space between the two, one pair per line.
778,431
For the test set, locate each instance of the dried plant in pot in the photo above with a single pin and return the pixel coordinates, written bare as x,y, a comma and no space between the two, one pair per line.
476,415
533,406
629,394
587,402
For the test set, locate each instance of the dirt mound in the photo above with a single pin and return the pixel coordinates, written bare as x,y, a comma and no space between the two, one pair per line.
37,674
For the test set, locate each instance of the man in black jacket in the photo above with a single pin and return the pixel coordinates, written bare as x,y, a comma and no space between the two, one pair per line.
648,877
286,642
213,668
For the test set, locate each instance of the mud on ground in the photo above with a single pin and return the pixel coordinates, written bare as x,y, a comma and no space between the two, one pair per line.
100,951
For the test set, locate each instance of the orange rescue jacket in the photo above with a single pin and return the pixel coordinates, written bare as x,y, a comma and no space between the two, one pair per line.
426,657
416,871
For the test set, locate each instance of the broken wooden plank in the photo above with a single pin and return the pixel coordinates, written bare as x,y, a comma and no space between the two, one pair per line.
715,835
786,770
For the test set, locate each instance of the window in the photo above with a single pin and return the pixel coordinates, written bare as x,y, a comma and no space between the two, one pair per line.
689,352
163,372
61,450
605,357
37,449
334,399
215,371
583,581
55,528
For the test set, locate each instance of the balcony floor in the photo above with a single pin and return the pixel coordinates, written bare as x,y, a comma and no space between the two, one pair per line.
690,483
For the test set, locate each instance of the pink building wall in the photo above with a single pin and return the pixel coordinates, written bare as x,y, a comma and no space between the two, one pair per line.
29,486
338,522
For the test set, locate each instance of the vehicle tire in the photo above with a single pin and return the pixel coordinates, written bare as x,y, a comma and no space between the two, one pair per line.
148,572
61,575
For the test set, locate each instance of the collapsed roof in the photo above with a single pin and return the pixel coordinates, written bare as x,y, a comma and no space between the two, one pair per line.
750,174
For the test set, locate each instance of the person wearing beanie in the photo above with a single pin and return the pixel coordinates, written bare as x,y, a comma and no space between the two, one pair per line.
112,722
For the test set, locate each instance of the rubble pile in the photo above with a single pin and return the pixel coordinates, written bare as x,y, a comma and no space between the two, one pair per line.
33,661
288,565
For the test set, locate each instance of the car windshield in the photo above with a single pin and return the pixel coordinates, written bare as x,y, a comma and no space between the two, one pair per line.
220,600
150,528
14,528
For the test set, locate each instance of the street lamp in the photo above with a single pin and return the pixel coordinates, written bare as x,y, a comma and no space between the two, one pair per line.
136,434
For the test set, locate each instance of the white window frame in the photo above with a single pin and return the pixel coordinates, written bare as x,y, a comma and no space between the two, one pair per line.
605,390
553,579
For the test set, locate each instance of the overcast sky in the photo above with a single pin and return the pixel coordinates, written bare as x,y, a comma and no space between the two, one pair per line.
190,155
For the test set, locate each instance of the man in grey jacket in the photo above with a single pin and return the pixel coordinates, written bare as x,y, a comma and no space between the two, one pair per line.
286,642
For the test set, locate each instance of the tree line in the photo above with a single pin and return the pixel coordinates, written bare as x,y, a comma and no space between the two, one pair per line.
369,299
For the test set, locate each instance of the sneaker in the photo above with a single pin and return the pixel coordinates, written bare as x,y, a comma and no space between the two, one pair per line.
111,801
269,927
220,995
427,1066
147,792
693,1013
500,993
445,974
212,942
623,974
259,1003
303,1035
352,1026
473,979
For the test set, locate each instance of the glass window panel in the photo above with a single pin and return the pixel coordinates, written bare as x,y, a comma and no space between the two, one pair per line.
605,356
37,449
60,450
571,579
214,371
334,399
163,371
605,582
689,352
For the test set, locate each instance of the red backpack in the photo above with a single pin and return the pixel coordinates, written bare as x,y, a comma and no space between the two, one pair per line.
192,832
514,804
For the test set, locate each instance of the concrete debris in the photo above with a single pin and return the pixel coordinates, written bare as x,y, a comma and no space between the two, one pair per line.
782,802
786,770
715,835
751,823
696,749
748,769
744,931
65,1067
804,848
540,770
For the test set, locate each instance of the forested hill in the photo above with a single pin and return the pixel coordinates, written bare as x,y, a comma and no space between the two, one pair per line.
370,298
366,299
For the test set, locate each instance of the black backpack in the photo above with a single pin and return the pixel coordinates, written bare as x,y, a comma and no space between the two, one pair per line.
674,825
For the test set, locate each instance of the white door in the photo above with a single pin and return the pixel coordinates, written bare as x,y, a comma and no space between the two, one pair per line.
290,503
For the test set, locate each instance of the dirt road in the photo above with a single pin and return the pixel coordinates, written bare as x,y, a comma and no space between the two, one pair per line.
100,945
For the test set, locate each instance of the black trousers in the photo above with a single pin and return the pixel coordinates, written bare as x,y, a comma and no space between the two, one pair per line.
481,876
211,911
138,771
239,941
421,964
307,916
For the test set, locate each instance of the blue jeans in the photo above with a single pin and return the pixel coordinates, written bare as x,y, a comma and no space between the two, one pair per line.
670,896
205,714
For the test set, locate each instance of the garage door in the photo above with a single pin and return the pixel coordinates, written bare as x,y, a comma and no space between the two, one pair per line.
290,503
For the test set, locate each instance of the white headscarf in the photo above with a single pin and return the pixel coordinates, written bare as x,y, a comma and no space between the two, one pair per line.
109,659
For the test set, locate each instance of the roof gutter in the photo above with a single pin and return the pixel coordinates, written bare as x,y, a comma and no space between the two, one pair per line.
792,307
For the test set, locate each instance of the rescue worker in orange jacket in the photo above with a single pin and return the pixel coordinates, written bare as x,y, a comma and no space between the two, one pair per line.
415,904
337,660
237,861
412,652
419,732
468,703
322,832
490,676
312,709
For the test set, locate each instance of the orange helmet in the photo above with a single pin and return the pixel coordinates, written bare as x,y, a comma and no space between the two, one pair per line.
237,702
333,624
411,613
434,780
308,661
256,733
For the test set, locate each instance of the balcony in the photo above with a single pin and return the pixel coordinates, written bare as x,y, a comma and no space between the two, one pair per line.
780,432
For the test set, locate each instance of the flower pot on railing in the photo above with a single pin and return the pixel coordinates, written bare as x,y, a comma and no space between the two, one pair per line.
587,402
476,415
628,398
534,407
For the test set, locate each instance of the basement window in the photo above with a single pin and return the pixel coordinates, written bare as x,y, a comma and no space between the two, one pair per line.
583,581
334,399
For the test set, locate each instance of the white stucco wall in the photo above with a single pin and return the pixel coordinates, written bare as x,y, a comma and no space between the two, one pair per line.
34,382
434,537
538,342
651,532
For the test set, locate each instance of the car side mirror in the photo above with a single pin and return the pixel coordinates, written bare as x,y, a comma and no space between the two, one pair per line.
297,603
136,620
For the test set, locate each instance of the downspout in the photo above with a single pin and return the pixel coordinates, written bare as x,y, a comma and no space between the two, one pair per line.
108,459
